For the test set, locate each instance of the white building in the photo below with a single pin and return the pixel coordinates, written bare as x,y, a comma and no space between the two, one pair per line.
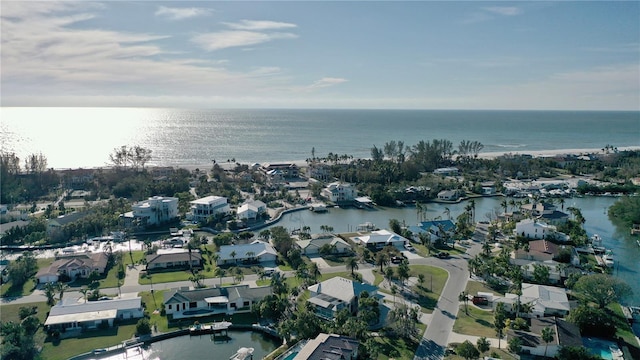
340,192
251,210
381,238
313,246
256,252
534,229
155,210
545,300
69,315
202,209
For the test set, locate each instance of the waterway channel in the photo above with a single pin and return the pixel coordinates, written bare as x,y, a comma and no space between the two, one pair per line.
593,208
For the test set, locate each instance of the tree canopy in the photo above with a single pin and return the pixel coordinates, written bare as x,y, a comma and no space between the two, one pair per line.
602,289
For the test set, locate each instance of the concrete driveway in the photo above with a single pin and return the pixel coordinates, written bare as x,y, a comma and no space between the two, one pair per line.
322,264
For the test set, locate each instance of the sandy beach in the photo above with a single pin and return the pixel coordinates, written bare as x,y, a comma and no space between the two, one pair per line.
483,155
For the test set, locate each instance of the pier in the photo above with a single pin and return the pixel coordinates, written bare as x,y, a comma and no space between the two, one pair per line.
217,328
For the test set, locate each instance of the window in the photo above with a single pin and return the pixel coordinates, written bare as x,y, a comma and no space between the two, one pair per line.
193,305
169,306
246,303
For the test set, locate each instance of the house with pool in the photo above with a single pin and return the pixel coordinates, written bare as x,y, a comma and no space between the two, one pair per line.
192,303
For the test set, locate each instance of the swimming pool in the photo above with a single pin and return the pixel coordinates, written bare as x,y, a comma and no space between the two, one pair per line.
603,348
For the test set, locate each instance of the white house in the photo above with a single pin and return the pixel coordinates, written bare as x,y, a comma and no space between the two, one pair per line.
153,211
544,211
534,229
448,195
564,334
380,238
313,246
251,210
203,208
545,300
337,293
340,192
257,251
190,303
70,314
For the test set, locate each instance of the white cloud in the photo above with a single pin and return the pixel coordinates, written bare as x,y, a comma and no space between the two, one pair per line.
504,10
256,25
181,13
226,39
326,82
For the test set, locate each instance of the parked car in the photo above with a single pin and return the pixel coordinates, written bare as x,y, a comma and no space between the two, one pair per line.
409,247
443,255
397,259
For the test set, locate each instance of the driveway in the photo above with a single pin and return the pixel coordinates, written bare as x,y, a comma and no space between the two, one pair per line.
322,264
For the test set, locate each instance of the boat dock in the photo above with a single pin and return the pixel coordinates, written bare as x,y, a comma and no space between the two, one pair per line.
216,328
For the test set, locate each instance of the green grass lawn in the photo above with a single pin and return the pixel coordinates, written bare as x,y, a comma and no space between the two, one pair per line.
502,353
429,292
182,275
87,341
396,348
473,287
8,290
623,329
478,322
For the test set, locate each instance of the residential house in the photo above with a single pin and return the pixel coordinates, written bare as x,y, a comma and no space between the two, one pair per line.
337,293
329,347
488,188
312,246
59,222
251,210
189,303
436,229
534,229
528,268
447,171
73,266
545,300
287,170
564,334
257,251
153,211
544,211
181,259
319,171
378,239
544,250
448,195
77,179
203,208
72,317
339,192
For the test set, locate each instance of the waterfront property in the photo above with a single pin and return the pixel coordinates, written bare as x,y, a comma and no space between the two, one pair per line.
337,293
544,211
436,229
378,239
329,347
153,211
564,334
174,260
251,210
73,266
534,229
545,300
256,252
203,208
448,195
544,250
72,317
317,242
192,303
339,192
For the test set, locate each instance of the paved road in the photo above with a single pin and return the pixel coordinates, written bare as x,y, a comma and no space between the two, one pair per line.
436,337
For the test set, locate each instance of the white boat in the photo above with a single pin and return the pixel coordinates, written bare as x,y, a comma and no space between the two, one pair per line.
608,258
242,354
616,353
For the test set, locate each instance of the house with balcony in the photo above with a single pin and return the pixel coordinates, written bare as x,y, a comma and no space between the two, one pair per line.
534,229
203,208
155,210
339,192
332,295
193,303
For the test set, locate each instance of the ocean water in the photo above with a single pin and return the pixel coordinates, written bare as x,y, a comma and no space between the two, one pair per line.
84,137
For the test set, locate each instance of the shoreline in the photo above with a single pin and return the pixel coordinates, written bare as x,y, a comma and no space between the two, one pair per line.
303,163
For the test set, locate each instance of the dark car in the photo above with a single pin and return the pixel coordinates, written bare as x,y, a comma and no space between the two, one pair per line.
443,255
397,259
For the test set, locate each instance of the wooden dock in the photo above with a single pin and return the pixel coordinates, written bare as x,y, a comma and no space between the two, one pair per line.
215,328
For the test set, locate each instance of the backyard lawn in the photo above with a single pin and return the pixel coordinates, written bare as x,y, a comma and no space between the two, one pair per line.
478,322
8,290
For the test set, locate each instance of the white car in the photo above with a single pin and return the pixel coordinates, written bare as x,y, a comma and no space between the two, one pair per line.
409,247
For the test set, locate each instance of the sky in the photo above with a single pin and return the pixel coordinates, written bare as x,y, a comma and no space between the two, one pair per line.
305,54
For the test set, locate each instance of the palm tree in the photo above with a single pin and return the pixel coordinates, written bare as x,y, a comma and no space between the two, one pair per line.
425,240
381,259
61,288
220,272
447,212
84,292
547,336
314,271
464,297
352,263
472,202
388,275
483,345
421,280
499,320
50,292
233,255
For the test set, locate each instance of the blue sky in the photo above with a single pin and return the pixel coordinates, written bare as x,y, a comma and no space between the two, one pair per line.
271,54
